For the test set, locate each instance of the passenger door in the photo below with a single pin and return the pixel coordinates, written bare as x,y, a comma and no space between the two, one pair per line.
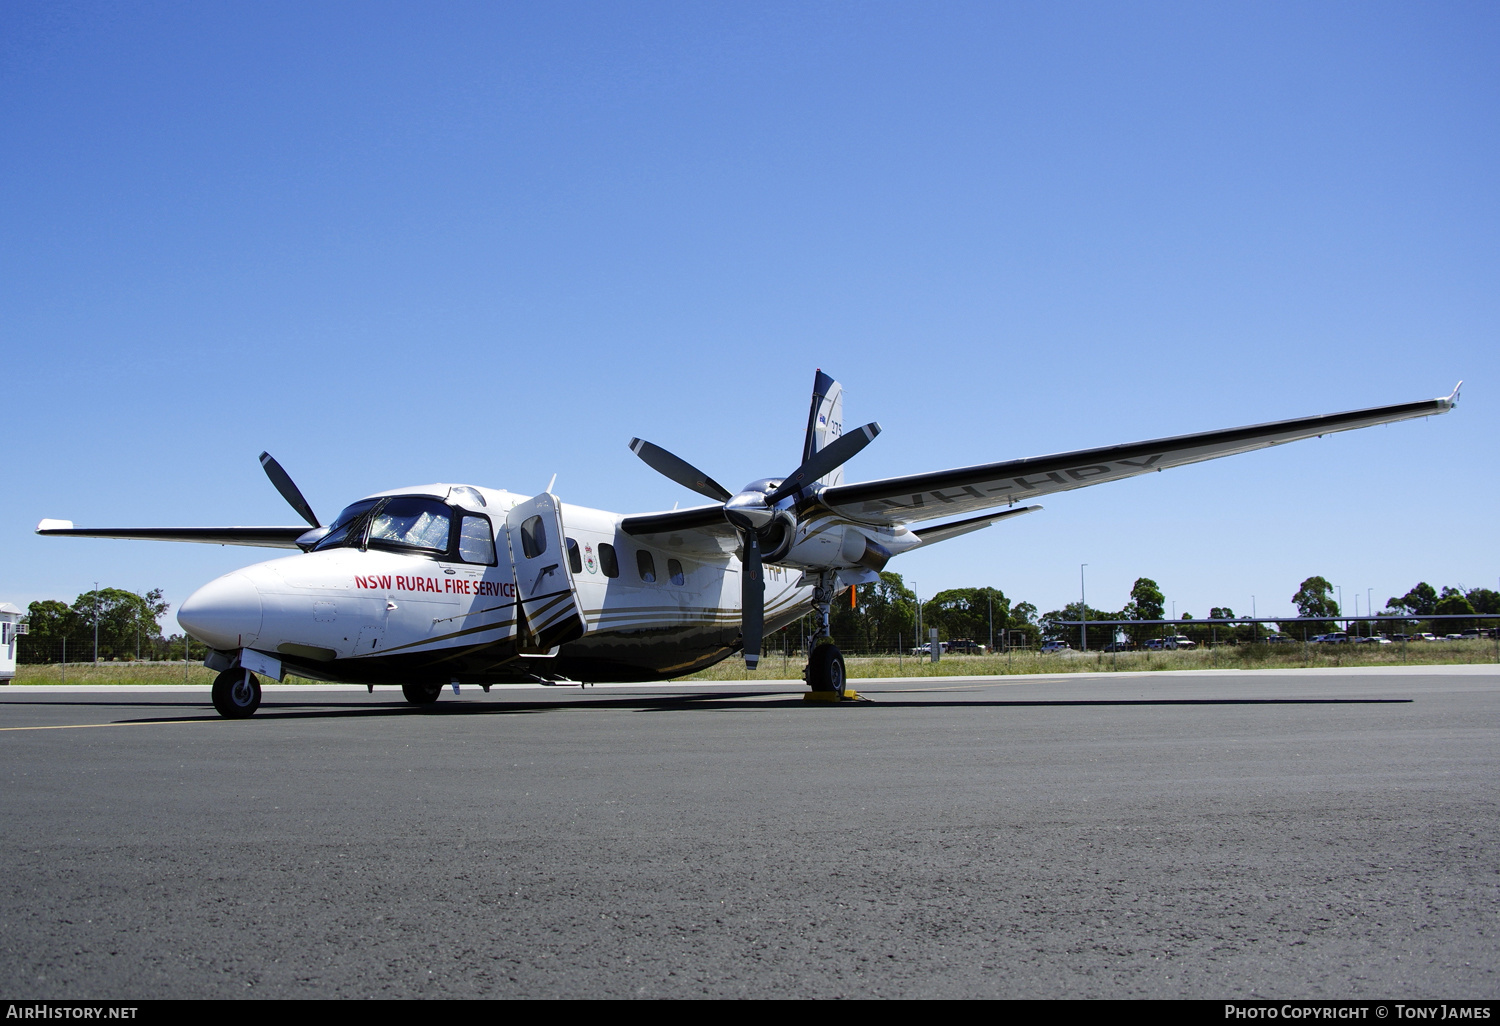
548,601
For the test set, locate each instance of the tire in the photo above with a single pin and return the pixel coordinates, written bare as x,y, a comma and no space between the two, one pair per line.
825,670
421,694
236,694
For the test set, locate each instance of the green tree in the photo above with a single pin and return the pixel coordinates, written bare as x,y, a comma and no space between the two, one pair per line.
966,612
1146,603
1420,601
49,623
127,622
1023,620
1484,600
1315,599
1098,634
1453,602
883,616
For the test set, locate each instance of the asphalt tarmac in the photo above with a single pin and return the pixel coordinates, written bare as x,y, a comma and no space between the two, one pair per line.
1319,834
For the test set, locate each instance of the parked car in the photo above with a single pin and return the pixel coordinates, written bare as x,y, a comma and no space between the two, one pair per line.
967,646
1336,638
1055,646
1175,641
1118,646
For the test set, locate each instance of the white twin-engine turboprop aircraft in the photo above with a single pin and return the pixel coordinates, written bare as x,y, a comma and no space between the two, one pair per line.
455,584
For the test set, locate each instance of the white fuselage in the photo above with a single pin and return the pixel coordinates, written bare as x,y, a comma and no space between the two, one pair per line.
381,616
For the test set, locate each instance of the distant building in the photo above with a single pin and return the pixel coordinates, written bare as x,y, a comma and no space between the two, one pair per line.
10,626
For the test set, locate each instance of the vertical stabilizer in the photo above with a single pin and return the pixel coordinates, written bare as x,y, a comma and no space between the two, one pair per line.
825,422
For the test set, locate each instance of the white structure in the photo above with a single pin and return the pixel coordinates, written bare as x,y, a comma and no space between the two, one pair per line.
10,626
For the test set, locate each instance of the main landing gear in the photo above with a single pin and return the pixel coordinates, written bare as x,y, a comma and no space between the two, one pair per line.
236,693
825,664
421,694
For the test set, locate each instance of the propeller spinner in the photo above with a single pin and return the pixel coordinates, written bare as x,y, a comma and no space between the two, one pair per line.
752,510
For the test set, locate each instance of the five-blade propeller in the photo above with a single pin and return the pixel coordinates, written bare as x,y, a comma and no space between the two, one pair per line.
752,510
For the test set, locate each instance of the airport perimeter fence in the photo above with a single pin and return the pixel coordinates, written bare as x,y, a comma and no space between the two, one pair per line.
32,650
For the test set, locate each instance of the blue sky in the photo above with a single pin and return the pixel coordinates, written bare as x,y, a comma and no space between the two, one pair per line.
398,243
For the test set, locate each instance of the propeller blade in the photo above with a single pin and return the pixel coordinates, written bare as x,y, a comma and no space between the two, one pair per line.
679,470
825,460
752,600
288,490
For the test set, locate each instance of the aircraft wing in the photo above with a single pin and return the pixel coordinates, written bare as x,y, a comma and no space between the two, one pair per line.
701,529
266,537
947,493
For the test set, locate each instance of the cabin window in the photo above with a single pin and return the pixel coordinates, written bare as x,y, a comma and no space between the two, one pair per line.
674,572
476,540
645,566
575,557
608,561
533,538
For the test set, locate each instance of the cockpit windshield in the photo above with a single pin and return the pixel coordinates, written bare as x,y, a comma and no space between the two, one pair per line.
401,522
411,522
352,518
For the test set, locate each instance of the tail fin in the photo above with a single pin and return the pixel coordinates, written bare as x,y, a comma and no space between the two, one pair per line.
825,422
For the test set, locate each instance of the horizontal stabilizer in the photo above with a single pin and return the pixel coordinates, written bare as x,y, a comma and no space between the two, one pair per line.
943,532
264,537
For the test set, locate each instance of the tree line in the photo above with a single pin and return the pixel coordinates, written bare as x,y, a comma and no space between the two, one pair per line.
884,616
887,616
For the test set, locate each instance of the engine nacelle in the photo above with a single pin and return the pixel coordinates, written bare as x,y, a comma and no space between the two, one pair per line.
845,545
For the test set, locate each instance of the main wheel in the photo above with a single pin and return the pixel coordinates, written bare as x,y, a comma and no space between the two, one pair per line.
236,693
825,670
421,694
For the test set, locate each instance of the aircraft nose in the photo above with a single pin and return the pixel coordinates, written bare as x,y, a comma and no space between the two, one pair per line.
223,614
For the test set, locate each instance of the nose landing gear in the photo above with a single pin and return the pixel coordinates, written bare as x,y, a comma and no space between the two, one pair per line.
236,693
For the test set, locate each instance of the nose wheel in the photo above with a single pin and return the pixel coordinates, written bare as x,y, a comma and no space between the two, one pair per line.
236,693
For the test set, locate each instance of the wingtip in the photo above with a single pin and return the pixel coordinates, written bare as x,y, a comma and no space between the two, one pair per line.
54,525
1452,399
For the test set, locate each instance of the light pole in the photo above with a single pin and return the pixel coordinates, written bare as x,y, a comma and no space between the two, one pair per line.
1083,603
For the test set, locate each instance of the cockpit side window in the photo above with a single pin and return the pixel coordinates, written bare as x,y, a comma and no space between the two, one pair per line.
476,540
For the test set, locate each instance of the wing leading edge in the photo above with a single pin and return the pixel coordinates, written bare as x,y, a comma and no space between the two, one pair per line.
945,493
